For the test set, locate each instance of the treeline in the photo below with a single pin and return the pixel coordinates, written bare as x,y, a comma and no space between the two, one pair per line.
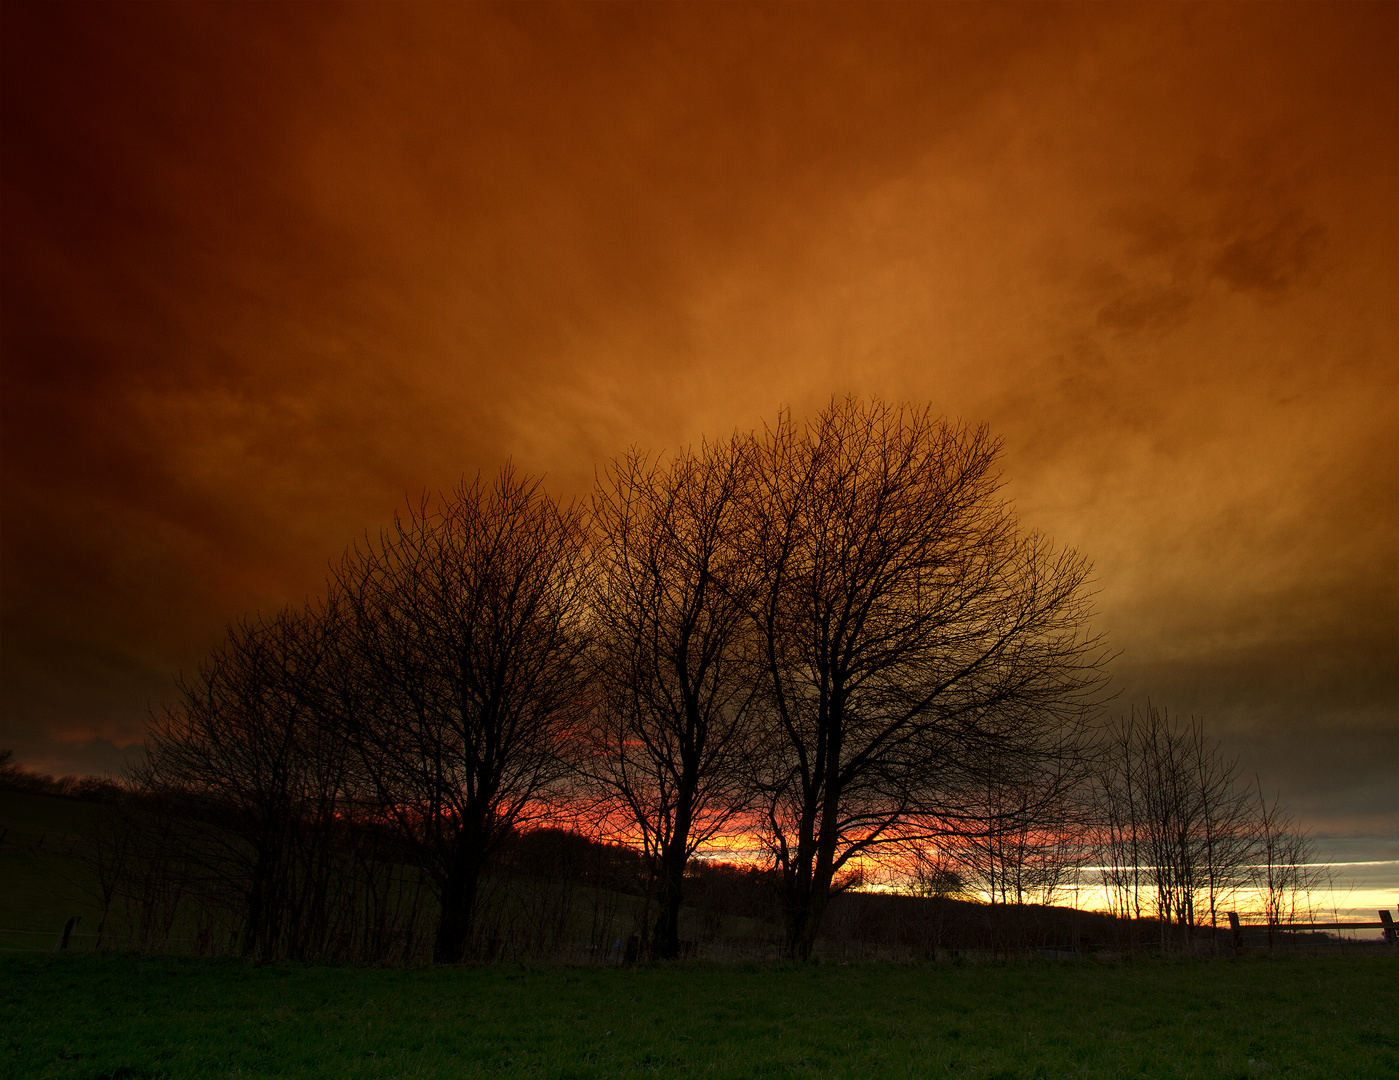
15,777
830,644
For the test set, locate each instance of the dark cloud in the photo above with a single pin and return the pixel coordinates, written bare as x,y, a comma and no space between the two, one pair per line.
1273,258
1167,262
1146,309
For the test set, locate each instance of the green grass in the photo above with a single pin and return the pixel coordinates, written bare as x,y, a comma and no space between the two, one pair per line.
89,1017
113,1016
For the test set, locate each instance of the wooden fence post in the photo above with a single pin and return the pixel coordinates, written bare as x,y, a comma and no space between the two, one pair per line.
1238,933
67,933
1389,938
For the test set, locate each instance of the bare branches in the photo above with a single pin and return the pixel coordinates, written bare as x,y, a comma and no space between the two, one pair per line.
464,649
833,638
1178,830
910,635
1282,876
245,743
672,657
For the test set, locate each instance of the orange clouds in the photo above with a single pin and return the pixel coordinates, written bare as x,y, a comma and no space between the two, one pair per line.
270,268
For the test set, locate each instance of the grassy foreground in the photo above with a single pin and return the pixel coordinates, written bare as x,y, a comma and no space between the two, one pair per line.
109,1017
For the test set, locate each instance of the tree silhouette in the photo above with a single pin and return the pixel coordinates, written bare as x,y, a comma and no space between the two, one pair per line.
909,633
244,745
464,675
672,658
1179,831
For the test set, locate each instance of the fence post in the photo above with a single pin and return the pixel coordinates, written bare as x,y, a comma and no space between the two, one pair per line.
67,933
1237,932
1389,937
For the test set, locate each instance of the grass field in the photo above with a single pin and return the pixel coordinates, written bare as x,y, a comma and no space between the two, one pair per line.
104,1017
122,1016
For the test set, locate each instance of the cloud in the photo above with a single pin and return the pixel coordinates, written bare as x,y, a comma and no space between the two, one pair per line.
1146,309
1271,259
269,269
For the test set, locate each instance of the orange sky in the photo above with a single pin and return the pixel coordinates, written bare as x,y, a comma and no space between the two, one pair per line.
267,268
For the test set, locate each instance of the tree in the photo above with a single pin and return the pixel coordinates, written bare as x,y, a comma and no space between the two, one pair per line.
1282,876
672,658
909,635
930,872
1024,838
244,747
462,675
1178,829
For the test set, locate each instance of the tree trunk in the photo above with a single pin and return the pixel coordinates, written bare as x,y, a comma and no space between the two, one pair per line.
804,914
260,931
458,901
808,891
666,942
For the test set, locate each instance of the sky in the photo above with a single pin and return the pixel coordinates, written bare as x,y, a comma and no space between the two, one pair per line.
267,271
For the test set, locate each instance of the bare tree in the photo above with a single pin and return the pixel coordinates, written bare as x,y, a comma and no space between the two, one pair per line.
909,634
931,873
461,683
104,855
1178,831
243,749
1282,875
1119,835
1225,841
672,658
1025,837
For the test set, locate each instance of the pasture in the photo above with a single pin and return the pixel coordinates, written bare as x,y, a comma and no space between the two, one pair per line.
102,1016
88,1017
